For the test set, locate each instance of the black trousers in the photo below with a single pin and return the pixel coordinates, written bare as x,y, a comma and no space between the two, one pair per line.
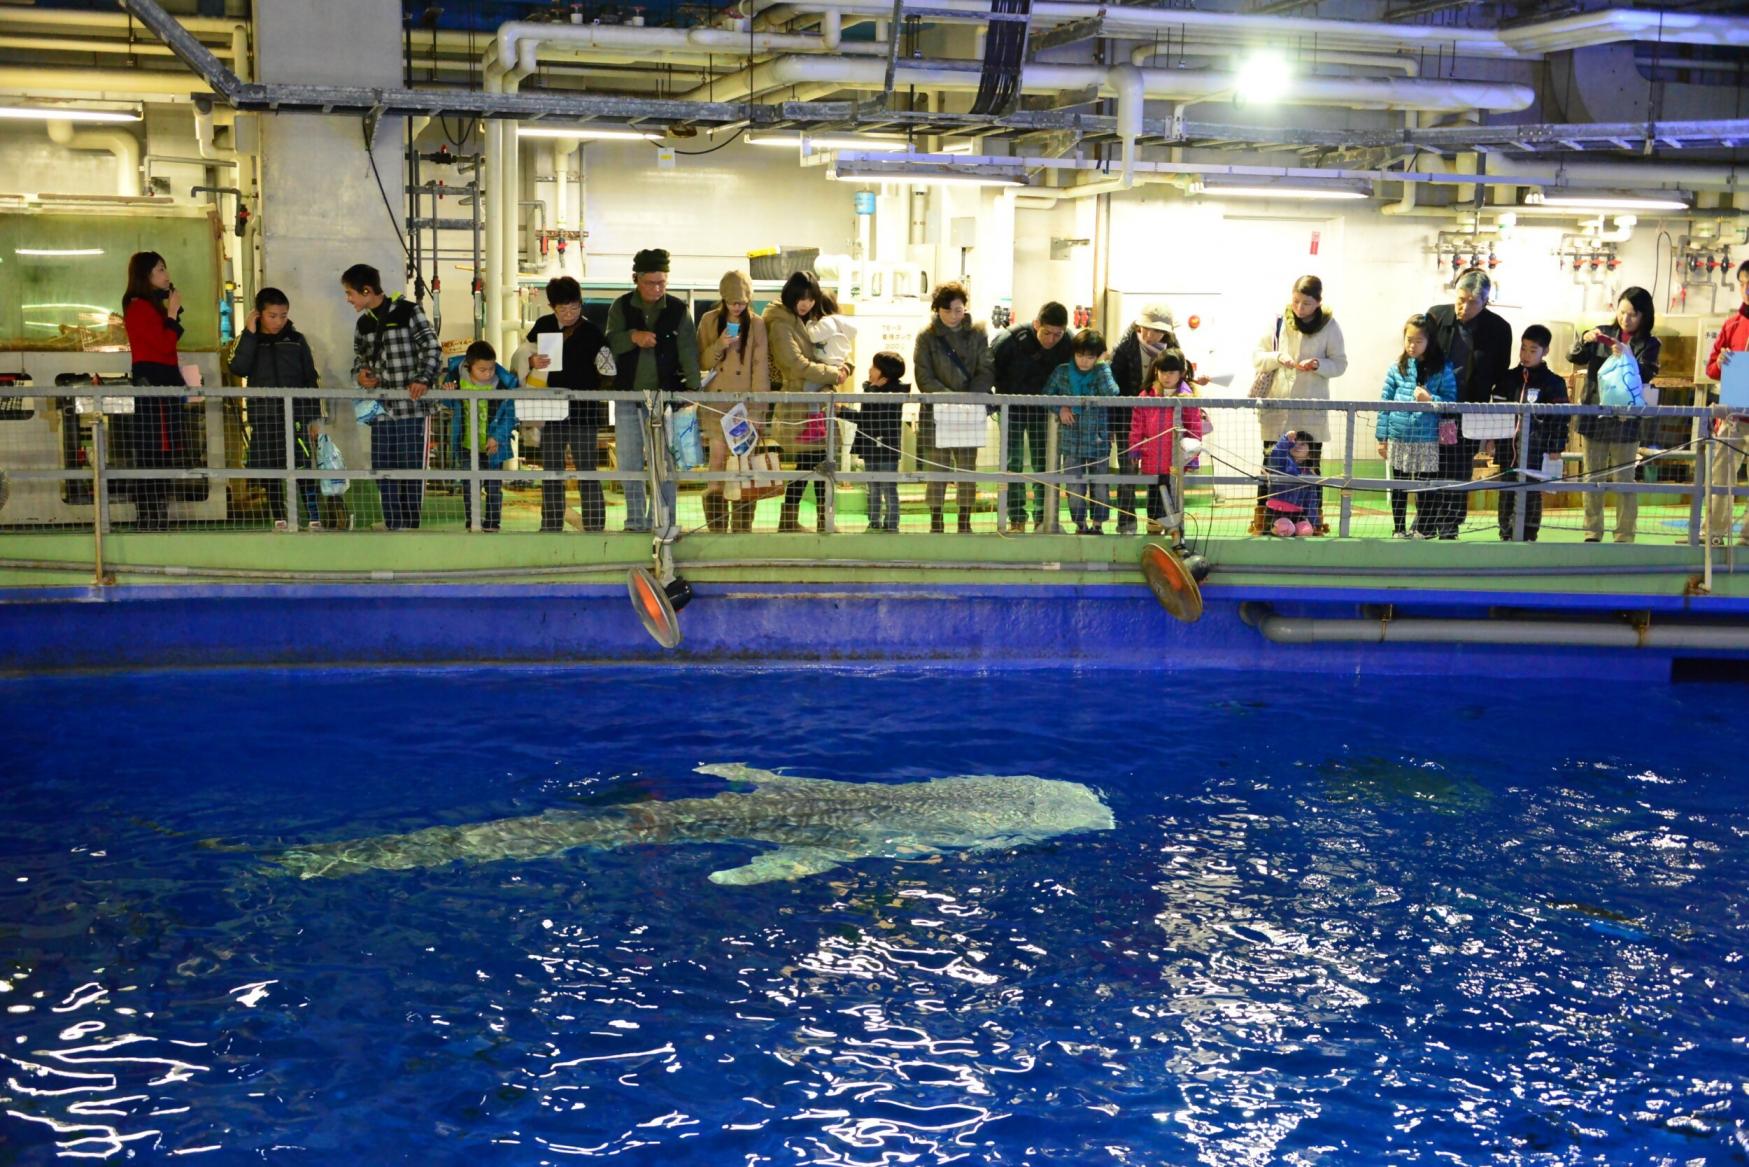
792,493
579,437
1424,505
1451,506
156,439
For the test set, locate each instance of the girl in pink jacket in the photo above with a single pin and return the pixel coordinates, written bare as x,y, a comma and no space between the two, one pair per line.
1153,436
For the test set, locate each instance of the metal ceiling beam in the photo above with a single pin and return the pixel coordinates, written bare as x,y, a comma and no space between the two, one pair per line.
1067,33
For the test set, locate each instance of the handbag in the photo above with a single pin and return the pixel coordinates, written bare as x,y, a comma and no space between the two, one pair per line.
685,443
753,488
813,431
328,458
1618,382
1265,380
1448,433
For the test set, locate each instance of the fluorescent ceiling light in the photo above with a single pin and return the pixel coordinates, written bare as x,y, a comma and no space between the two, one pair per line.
925,176
1603,201
827,141
49,113
1262,78
57,252
1283,192
587,134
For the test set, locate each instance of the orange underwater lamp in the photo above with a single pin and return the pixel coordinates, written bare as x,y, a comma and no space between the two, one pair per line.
658,605
1175,578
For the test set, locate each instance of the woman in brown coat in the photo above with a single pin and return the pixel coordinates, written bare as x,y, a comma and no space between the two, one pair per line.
800,304
732,345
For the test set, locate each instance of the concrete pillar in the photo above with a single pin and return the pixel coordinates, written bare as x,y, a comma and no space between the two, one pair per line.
320,208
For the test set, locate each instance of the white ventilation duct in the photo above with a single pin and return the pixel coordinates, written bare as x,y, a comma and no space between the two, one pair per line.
1164,84
1529,41
123,146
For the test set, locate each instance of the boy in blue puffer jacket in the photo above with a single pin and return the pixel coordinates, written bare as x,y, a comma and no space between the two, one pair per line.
1409,442
478,371
1084,436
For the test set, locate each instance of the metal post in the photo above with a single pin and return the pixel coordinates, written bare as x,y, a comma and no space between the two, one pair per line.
829,500
1700,506
1002,440
1053,476
1176,502
476,504
291,460
1523,484
1347,509
99,492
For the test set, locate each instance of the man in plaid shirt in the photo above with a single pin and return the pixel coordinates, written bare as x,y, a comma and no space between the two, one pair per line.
394,347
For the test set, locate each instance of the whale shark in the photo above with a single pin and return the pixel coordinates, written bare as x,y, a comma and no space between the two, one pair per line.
816,824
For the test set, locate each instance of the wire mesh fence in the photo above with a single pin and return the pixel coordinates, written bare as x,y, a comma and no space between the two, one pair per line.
119,457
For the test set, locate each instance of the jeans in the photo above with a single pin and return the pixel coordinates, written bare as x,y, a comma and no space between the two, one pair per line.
1611,462
629,428
1028,426
494,504
883,497
1085,496
307,494
399,444
556,437
1510,493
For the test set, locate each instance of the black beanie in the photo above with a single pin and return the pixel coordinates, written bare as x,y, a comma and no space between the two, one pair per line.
648,260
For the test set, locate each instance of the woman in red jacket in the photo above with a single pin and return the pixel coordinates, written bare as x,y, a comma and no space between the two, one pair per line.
151,308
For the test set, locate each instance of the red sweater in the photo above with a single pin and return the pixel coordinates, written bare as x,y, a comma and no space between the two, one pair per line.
150,335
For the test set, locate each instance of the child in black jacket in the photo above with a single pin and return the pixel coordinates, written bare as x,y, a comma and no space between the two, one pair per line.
272,353
1531,381
878,428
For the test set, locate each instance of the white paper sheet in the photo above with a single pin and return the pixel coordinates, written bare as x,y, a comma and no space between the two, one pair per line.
551,345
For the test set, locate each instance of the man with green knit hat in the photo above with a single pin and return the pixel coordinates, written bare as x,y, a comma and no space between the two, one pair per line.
656,350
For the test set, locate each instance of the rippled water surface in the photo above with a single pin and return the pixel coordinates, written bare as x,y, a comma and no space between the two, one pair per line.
1392,922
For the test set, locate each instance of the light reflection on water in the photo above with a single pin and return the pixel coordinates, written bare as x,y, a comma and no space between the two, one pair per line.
1349,952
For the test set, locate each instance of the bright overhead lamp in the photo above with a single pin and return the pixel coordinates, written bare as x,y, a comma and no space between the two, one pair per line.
588,134
914,175
57,252
51,113
827,141
1262,78
1606,201
1292,193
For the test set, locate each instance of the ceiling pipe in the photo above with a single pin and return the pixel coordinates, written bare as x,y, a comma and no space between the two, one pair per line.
697,41
1529,41
1131,97
1636,176
208,27
1408,66
120,83
121,145
1169,84
56,44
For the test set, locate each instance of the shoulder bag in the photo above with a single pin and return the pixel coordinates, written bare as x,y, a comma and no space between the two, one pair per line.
1265,380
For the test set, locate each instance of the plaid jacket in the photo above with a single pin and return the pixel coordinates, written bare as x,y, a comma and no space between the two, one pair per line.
397,342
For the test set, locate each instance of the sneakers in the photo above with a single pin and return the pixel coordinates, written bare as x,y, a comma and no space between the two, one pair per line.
1399,533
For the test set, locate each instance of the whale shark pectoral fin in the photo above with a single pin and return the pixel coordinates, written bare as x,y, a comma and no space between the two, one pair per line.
737,772
786,863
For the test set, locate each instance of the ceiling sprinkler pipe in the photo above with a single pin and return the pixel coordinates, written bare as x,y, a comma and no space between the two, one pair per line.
1131,97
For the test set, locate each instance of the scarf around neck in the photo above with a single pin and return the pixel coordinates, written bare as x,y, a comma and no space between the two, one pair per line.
1305,328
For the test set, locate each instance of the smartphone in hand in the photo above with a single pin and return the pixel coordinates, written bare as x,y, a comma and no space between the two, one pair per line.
733,329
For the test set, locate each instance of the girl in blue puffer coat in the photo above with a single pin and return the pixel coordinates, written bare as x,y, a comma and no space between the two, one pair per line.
1409,442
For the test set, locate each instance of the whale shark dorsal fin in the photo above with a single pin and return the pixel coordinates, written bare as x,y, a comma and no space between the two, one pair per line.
751,776
785,863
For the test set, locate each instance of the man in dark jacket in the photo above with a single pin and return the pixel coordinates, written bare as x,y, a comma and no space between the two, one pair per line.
579,432
1023,358
655,347
1478,344
272,353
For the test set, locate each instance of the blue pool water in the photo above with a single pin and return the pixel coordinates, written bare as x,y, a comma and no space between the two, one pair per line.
1367,923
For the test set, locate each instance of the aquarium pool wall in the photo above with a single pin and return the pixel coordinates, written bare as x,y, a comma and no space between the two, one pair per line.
995,626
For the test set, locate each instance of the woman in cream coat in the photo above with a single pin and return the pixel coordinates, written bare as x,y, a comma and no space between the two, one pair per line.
1306,351
742,364
800,304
